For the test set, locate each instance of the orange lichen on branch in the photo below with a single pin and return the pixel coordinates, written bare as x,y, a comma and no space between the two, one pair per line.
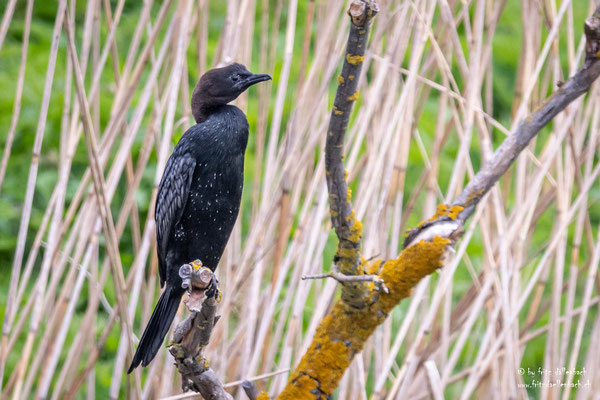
354,97
263,396
341,334
444,210
372,268
413,264
344,331
340,79
474,195
355,224
354,60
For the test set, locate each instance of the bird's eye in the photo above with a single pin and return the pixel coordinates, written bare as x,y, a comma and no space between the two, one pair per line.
235,77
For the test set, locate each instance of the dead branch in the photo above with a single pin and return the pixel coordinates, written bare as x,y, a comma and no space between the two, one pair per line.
251,390
516,142
347,227
341,278
343,332
192,335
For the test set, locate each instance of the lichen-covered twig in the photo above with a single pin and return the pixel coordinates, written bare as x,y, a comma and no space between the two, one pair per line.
347,227
192,335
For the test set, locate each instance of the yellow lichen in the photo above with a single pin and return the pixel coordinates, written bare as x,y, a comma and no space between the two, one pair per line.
343,332
351,77
454,211
475,194
372,268
414,263
343,253
354,60
354,97
263,396
340,80
348,195
340,336
362,31
350,218
355,233
336,111
333,213
443,210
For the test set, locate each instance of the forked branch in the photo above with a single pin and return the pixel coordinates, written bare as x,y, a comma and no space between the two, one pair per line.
192,335
347,227
344,330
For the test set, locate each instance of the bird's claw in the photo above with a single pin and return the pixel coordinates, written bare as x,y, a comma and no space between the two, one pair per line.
214,290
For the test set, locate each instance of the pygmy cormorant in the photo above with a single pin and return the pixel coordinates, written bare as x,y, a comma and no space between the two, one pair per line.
199,194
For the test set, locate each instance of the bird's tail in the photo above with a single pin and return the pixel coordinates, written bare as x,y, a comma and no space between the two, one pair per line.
157,328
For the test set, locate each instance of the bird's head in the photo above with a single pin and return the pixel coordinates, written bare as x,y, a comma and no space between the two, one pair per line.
219,86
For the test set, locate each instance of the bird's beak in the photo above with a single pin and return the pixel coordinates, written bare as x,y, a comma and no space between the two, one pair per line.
253,79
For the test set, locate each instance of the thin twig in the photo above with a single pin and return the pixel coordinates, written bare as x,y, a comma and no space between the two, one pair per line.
351,278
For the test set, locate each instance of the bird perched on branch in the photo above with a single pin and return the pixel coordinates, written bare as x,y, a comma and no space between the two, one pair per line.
199,194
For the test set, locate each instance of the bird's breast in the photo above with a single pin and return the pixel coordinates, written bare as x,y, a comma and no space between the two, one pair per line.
211,210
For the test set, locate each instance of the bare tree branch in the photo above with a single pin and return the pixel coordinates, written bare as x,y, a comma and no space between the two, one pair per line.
251,390
343,332
341,278
192,335
514,144
347,227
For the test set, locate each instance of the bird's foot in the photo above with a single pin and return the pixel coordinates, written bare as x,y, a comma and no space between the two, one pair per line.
214,290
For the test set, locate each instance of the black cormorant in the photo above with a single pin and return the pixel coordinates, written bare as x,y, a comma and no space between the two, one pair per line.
199,194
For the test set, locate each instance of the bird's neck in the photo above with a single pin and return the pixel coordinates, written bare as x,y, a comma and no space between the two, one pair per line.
203,110
227,126
203,106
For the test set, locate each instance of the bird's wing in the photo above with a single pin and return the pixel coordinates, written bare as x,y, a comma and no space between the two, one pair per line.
170,201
